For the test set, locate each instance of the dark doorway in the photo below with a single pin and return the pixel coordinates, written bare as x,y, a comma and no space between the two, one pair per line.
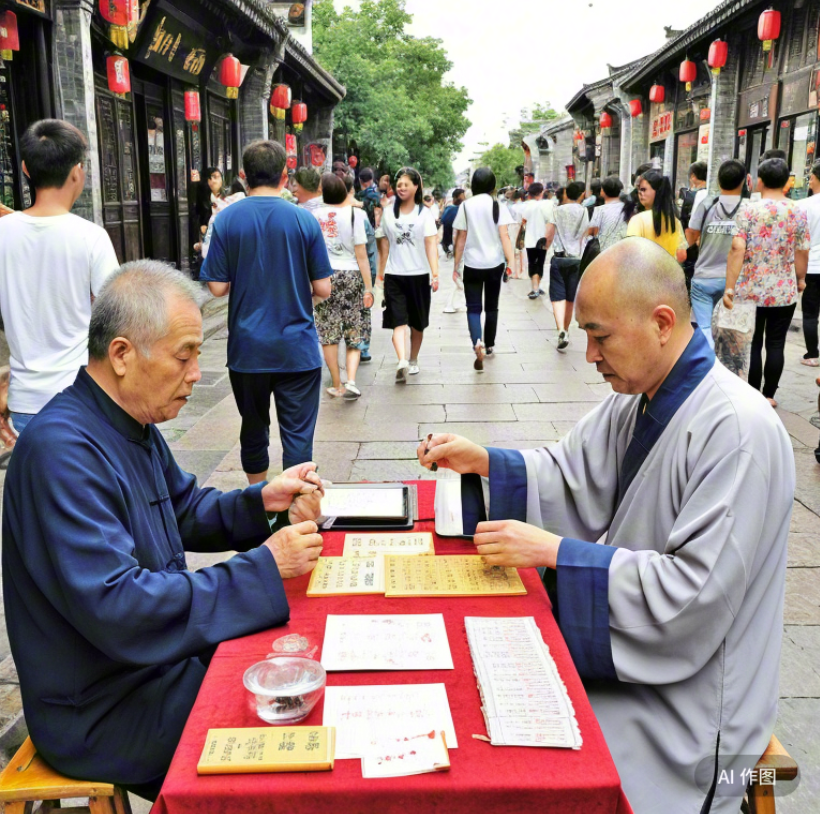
156,171
120,177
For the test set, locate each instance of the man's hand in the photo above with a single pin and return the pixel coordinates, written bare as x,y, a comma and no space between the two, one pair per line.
296,549
298,480
454,452
305,507
516,544
801,285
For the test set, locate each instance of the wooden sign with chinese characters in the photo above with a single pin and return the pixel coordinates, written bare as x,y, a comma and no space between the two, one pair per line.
448,576
249,751
176,46
346,576
369,545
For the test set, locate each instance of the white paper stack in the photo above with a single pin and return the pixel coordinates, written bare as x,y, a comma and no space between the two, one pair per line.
524,700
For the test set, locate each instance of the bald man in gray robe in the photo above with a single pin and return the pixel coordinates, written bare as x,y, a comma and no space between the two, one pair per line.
662,521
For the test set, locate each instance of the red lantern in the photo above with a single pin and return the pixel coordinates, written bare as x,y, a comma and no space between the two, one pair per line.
119,74
280,101
718,54
193,110
768,28
636,108
605,121
9,35
120,15
353,162
688,73
230,75
657,94
300,115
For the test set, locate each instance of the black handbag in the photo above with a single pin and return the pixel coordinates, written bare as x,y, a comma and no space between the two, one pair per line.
591,251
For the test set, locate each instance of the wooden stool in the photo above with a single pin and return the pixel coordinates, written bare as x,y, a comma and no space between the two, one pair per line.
28,778
777,759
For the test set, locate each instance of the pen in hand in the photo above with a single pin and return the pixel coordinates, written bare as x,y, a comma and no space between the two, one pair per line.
434,465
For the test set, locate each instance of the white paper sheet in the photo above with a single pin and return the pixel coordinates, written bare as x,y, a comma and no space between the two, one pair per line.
399,642
371,544
340,501
525,702
364,716
405,756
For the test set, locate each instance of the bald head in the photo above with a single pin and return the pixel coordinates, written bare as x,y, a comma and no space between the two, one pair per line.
636,276
634,307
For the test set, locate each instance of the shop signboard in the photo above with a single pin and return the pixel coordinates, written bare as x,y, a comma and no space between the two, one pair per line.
173,43
703,142
40,7
661,126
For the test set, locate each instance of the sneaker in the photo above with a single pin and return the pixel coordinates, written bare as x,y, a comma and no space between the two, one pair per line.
366,357
478,365
563,340
533,295
351,391
448,310
401,371
414,367
489,351
541,292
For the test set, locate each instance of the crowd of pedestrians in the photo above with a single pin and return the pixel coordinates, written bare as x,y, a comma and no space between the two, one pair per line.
341,241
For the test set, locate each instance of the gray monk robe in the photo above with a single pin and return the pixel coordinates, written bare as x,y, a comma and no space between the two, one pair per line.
670,578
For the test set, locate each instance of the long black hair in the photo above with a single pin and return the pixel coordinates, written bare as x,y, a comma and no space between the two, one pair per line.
415,179
484,183
664,210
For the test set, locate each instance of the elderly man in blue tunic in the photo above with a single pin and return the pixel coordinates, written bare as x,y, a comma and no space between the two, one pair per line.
661,520
110,632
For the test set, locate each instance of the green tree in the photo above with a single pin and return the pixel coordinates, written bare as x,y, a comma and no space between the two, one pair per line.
398,108
533,119
503,161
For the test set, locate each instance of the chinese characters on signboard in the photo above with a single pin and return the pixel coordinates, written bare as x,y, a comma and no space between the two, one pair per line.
661,126
173,48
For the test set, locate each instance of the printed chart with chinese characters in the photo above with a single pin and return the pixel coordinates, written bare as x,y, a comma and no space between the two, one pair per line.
400,642
347,576
448,576
525,702
369,545
365,716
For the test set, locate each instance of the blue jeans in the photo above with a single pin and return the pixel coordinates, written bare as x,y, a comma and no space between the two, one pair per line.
486,284
20,420
707,292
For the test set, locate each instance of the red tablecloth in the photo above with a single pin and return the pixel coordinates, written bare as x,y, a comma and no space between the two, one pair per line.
498,779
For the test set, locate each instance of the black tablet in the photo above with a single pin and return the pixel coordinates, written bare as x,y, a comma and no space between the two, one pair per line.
366,507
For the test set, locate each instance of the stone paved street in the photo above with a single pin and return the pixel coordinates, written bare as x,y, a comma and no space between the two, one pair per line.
530,395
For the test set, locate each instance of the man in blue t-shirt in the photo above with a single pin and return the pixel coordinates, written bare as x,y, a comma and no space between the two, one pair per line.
272,258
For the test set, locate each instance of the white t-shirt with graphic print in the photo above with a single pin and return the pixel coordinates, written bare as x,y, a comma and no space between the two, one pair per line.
405,236
343,230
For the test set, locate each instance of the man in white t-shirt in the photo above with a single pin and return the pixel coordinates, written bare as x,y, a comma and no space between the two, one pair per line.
535,215
811,294
52,264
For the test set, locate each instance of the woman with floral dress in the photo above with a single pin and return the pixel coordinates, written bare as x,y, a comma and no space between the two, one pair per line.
342,317
767,265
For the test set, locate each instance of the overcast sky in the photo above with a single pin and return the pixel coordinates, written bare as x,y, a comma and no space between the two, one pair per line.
538,50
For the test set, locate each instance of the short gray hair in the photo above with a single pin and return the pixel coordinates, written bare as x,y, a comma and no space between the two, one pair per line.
133,304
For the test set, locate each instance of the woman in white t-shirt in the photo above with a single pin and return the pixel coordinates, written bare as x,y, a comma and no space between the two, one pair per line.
408,255
483,241
342,316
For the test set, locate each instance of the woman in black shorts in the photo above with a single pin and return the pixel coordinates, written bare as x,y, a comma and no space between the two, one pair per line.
408,255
